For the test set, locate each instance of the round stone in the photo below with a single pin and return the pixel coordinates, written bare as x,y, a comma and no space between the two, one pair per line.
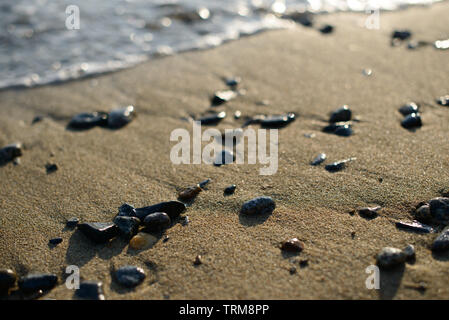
259,205
142,240
130,276
156,222
390,257
7,279
292,245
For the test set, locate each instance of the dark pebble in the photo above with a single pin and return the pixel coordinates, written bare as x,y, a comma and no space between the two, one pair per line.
340,129
233,82
189,193
260,205
441,243
172,208
444,101
292,245
414,226
401,34
409,108
338,165
120,117
90,290
99,232
303,18
422,213
439,209
128,226
198,260
412,121
224,157
213,119
204,183
277,121
230,189
369,213
319,159
221,97
157,221
10,152
126,210
51,167
341,114
185,221
130,276
35,282
409,252
55,241
88,120
327,29
72,222
8,279
37,119
390,257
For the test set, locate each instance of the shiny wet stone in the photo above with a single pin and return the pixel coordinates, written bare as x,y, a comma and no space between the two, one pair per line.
88,120
230,190
35,282
338,165
409,108
292,245
10,152
156,222
318,159
99,232
412,121
142,240
233,82
90,290
260,205
390,257
8,279
204,183
126,210
441,243
444,101
130,276
172,208
120,117
422,213
414,226
189,193
213,118
277,121
341,115
127,226
221,97
340,129
439,209
369,212
409,252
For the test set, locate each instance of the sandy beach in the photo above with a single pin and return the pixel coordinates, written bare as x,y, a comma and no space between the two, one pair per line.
297,70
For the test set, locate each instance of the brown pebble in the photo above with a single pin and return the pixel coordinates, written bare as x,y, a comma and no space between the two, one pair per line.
142,240
189,192
292,245
198,260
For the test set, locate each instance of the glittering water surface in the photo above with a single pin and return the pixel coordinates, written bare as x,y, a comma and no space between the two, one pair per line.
37,48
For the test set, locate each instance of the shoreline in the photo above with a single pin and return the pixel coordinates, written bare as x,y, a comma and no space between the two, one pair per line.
297,70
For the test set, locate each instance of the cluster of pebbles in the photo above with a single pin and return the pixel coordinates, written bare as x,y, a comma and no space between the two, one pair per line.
115,119
400,36
412,116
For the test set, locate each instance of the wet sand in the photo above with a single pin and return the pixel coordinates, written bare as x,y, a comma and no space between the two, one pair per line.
298,70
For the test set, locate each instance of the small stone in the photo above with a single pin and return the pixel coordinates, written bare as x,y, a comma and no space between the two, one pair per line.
441,243
444,101
37,119
72,222
326,29
142,240
221,97
414,226
439,209
260,205
237,114
99,232
120,117
390,257
212,119
412,121
367,72
39,281
130,276
233,82
185,221
423,214
51,167
88,120
172,208
409,108
304,263
409,252
340,115
198,260
90,290
292,245
128,226
230,189
156,222
292,270
189,193
277,121
342,129
369,213
10,152
338,165
204,183
8,279
126,210
319,159
55,241
223,158
442,45
401,34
